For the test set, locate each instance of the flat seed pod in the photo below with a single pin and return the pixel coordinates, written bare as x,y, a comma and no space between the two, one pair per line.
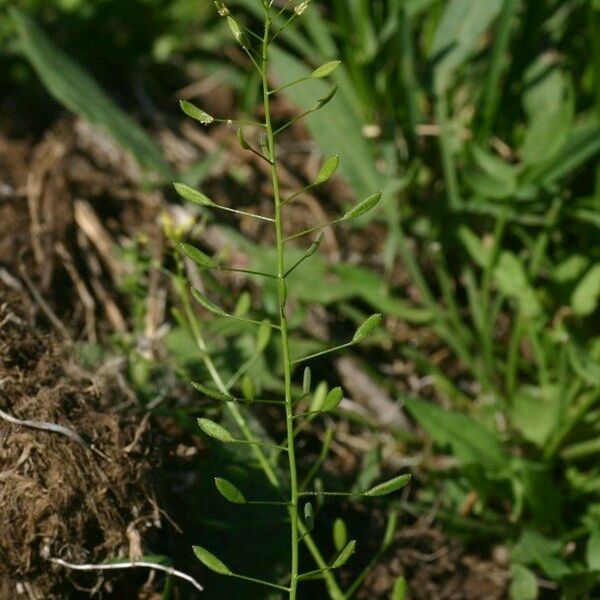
387,487
329,167
242,140
315,245
212,393
325,70
344,555
188,193
306,380
340,534
207,303
363,207
198,256
263,336
191,110
243,305
215,431
327,98
247,387
309,516
238,34
333,398
367,327
229,491
319,396
210,561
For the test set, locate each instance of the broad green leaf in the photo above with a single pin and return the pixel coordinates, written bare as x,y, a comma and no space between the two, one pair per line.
188,193
332,400
191,110
586,295
523,584
399,589
496,178
388,487
326,69
340,534
212,392
198,256
362,207
216,431
367,327
570,269
457,35
207,303
583,363
511,278
534,548
344,555
536,412
329,167
477,250
229,491
470,442
486,186
210,561
73,87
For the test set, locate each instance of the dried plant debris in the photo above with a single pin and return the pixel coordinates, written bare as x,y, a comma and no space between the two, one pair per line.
83,500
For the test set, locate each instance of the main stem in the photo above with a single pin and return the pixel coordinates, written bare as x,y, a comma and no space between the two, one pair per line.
285,346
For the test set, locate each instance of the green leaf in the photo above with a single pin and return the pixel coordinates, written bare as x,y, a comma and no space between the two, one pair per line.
535,548
215,431
497,168
478,252
198,256
332,400
362,207
536,412
399,590
586,295
325,70
212,393
457,35
367,327
191,110
229,491
592,550
512,279
207,303
340,534
210,561
344,555
390,486
188,193
73,87
309,516
329,167
470,442
523,584
584,363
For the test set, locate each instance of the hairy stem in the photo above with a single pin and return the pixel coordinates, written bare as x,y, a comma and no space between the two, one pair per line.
285,346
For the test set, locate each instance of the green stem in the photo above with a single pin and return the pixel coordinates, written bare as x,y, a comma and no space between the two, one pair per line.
285,346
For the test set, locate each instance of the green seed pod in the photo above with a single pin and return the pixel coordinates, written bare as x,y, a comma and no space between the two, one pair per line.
329,167
340,534
363,207
344,555
212,393
306,381
191,110
247,387
188,193
325,70
229,491
210,561
327,98
215,431
333,399
309,516
207,303
365,329
387,487
198,256
282,289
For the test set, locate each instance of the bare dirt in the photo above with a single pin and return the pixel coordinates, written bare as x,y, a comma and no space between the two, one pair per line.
59,498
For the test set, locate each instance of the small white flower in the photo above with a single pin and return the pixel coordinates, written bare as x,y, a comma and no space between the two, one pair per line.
221,9
300,8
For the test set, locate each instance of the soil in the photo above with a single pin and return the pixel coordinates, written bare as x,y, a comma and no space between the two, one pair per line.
82,501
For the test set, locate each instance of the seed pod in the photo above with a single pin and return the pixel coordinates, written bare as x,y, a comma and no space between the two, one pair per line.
215,431
332,400
229,491
340,534
306,381
207,303
344,555
212,393
329,167
191,110
238,34
282,288
188,193
315,245
242,140
210,561
367,327
327,98
387,487
309,516
362,207
198,256
325,70
247,387
263,336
